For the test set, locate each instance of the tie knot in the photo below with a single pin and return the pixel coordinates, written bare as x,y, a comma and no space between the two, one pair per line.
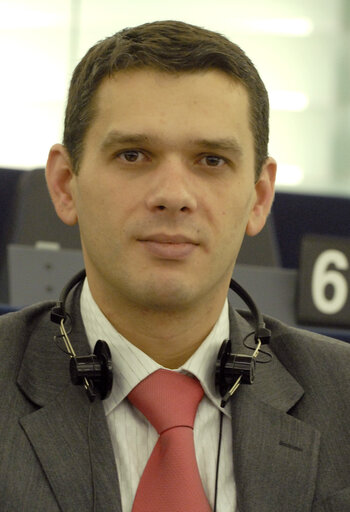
168,399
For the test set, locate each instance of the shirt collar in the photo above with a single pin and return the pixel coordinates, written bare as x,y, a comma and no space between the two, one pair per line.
131,365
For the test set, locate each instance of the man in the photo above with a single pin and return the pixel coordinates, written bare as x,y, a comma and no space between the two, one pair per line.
164,166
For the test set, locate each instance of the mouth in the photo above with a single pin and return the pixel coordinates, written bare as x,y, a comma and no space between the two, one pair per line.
169,247
162,238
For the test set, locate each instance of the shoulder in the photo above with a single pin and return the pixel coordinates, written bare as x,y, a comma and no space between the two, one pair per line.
290,340
311,358
17,327
287,339
319,363
24,319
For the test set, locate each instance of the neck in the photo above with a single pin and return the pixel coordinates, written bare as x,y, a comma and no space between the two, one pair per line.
169,338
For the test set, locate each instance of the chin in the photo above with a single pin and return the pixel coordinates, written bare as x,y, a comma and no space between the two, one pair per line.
168,298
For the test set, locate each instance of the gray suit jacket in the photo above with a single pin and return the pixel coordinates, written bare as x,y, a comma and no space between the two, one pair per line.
291,428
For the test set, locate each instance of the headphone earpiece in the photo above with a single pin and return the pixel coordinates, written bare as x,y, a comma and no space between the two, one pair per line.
95,371
96,368
230,366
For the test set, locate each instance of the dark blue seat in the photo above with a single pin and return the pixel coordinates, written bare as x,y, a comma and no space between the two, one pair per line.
8,184
28,216
298,214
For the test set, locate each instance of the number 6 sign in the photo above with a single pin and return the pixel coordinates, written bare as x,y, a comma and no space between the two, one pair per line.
324,281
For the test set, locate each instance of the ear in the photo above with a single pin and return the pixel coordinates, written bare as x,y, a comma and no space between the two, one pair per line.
59,178
264,194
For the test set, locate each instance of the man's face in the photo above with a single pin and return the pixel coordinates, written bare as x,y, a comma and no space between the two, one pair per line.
166,188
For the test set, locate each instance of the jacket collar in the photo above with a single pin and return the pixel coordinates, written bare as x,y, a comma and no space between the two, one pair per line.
275,455
77,464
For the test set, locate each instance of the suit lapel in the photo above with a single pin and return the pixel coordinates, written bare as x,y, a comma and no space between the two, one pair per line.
69,435
275,455
58,433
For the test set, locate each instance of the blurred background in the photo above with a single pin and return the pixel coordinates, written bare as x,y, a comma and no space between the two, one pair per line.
300,47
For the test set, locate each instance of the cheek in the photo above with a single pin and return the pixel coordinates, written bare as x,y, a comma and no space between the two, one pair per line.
94,218
233,221
99,201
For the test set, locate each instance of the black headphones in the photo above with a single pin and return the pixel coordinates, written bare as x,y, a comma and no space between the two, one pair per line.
95,371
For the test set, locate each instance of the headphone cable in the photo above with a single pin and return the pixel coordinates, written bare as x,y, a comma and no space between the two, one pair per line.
218,461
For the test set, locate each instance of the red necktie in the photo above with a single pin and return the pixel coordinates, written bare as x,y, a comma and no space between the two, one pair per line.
170,481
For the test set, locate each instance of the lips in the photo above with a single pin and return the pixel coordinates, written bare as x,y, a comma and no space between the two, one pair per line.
169,239
169,247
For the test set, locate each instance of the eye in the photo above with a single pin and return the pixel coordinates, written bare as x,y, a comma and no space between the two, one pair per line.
212,161
131,155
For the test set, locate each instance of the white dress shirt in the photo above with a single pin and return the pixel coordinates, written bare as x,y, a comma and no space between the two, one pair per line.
133,437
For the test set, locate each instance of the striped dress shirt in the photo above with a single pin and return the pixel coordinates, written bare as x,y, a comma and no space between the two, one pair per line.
133,437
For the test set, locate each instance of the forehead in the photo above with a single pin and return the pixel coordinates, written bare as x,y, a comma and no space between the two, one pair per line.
204,101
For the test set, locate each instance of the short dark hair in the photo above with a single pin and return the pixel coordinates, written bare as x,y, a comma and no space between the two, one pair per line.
169,46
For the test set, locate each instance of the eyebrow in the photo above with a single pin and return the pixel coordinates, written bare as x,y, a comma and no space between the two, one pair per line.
221,144
116,137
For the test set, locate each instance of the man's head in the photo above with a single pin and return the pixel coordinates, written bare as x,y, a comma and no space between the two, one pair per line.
167,184
168,46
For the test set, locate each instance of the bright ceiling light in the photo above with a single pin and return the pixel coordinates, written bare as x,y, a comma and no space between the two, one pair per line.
289,175
24,15
294,101
280,26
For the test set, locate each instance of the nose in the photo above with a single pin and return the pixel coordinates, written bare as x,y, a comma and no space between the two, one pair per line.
172,189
